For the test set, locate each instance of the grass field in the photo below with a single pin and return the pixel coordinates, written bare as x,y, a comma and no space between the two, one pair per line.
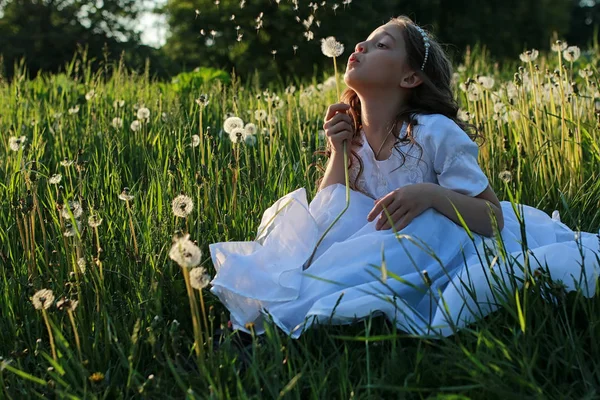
125,318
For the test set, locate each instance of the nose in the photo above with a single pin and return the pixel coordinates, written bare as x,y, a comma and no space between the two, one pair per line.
359,47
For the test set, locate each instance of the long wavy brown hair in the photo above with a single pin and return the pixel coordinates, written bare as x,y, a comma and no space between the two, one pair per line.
433,96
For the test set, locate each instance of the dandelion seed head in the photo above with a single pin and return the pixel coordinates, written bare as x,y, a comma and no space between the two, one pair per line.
572,53
94,221
236,135
135,125
17,143
250,128
125,196
82,265
43,299
506,176
55,179
231,123
71,230
117,123
182,206
65,304
74,110
90,95
331,47
195,140
559,46
143,114
185,253
199,278
75,208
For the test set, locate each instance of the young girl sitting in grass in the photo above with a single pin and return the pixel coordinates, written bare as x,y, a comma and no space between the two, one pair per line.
410,156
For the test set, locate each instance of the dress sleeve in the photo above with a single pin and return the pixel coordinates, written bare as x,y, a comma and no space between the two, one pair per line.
454,156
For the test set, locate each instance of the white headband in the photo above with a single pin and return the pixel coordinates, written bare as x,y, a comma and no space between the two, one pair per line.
426,40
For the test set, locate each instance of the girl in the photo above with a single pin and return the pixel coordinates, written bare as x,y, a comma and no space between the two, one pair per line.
412,160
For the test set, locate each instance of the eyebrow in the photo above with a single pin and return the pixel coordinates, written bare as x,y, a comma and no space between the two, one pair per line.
387,33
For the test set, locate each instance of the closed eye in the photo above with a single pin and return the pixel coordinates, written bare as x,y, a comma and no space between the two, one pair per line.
382,44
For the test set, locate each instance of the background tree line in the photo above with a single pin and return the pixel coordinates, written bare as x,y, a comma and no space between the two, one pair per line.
202,33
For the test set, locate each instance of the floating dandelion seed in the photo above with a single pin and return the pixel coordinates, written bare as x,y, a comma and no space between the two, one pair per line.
143,114
295,47
199,278
232,123
242,3
260,115
43,299
75,208
232,17
195,141
17,143
90,95
182,206
94,221
125,196
571,53
74,110
55,179
506,176
309,35
117,123
65,304
135,125
185,253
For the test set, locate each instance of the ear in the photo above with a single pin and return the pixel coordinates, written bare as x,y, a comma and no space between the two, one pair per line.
410,80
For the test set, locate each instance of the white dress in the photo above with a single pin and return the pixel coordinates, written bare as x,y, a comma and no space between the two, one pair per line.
264,279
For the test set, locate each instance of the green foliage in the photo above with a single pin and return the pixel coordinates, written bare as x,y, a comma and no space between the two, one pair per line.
186,82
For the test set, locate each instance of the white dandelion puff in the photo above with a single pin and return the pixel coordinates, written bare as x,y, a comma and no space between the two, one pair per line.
117,123
571,53
17,143
260,115
94,221
231,123
272,119
143,114
135,125
82,265
65,304
185,253
125,196
237,135
529,55
90,95
486,81
250,129
559,46
75,208
74,110
43,299
55,179
195,140
182,206
506,176
118,103
199,278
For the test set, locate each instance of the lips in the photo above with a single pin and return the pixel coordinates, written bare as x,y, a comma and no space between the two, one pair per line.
352,60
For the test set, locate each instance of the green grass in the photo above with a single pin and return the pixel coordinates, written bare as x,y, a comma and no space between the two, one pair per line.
133,320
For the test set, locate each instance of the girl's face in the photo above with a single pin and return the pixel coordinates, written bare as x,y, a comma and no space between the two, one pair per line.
378,61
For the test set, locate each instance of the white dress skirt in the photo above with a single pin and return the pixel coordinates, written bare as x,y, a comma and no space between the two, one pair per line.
435,279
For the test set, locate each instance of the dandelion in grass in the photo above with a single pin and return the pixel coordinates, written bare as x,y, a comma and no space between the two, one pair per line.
94,221
571,53
260,115
505,176
17,143
74,110
272,119
55,179
42,300
250,129
558,46
586,72
464,115
143,114
66,162
135,125
237,135
486,81
75,208
90,95
72,229
529,55
118,103
82,265
199,278
202,101
232,123
125,196
290,89
182,206
117,123
195,140
185,253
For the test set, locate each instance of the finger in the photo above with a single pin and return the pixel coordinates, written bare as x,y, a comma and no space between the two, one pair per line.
384,222
385,201
406,219
336,119
335,130
332,109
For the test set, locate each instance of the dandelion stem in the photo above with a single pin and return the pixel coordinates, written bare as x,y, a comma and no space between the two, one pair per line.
197,331
135,246
49,333
72,319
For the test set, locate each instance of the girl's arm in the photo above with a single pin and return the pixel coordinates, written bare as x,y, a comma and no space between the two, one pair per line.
334,172
475,211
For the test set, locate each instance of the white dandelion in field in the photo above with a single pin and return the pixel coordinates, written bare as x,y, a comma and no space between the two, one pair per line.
135,125
71,230
250,128
65,304
118,103
117,123
75,208
125,196
499,107
143,114
43,299
556,215
55,179
236,135
559,46
82,265
571,53
529,55
199,278
506,176
290,89
486,81
182,206
94,220
74,110
331,47
231,123
90,95
249,139
66,162
195,140
464,115
202,101
260,115
586,72
17,143
185,253
272,119
511,116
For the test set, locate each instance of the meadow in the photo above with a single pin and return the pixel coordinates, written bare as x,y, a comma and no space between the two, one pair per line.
102,169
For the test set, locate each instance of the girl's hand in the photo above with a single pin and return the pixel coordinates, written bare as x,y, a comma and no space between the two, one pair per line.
338,126
403,204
